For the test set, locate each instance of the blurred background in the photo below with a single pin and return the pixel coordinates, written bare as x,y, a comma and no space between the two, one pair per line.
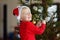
49,9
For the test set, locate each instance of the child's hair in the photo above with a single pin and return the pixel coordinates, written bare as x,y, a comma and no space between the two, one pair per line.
26,8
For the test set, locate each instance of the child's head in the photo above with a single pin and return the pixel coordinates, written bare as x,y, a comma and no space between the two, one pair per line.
23,13
26,14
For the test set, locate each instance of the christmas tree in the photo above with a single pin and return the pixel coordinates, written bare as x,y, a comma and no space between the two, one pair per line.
45,10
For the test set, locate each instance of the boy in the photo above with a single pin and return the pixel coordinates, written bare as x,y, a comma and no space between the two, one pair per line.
27,29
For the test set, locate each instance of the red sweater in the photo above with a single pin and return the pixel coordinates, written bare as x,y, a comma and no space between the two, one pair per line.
28,30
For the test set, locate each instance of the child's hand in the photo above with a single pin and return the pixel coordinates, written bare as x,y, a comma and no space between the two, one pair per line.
38,24
43,21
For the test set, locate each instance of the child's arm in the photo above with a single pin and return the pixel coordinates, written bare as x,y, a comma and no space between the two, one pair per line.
36,30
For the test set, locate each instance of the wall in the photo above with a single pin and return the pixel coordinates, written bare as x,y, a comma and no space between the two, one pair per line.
1,21
11,20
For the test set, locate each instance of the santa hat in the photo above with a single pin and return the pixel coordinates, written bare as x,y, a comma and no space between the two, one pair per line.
17,11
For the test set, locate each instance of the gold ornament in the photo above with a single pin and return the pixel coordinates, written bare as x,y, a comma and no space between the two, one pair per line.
34,22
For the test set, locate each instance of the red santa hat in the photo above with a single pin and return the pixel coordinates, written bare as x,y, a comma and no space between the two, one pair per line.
17,11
